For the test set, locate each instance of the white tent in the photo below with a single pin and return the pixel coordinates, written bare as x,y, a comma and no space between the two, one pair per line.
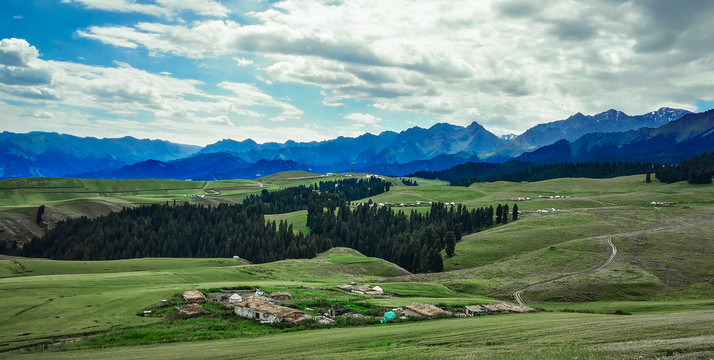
235,298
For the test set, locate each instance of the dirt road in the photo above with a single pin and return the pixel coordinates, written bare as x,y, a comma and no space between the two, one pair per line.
613,251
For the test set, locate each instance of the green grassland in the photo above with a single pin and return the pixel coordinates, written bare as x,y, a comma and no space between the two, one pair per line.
671,259
63,197
541,335
298,219
662,274
48,299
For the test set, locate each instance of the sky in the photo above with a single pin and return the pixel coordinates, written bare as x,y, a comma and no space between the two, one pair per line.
198,71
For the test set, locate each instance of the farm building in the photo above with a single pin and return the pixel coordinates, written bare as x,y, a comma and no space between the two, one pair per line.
503,307
423,310
280,296
193,296
264,310
362,289
474,310
234,299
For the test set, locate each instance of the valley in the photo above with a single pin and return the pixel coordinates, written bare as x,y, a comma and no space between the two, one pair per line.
290,179
557,261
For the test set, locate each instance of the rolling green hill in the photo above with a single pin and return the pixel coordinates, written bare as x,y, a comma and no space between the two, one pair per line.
661,273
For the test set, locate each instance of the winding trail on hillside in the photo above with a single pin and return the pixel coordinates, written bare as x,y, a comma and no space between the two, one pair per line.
518,295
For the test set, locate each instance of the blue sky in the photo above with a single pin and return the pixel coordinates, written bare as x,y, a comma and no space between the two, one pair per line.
197,71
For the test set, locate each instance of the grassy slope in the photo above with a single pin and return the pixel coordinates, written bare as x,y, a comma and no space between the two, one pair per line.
543,335
664,256
19,198
45,299
539,247
297,218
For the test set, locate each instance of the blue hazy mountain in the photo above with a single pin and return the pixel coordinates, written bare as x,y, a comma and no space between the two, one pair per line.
214,166
366,150
578,125
578,138
678,140
52,154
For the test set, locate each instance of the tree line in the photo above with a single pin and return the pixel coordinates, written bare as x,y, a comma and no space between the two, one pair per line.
697,170
325,192
414,241
516,171
409,182
192,230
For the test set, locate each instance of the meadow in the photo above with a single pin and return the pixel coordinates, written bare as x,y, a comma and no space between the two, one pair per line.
662,276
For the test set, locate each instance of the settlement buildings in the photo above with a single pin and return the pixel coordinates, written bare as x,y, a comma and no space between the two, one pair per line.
193,296
263,309
423,310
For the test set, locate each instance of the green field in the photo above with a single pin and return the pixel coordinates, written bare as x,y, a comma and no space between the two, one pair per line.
63,197
662,275
298,219
542,336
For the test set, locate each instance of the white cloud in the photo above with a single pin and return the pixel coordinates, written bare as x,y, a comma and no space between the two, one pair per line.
147,100
17,52
367,119
18,17
243,61
506,64
160,8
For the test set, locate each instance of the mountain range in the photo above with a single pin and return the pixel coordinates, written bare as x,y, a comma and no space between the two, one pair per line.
673,142
578,125
52,154
611,135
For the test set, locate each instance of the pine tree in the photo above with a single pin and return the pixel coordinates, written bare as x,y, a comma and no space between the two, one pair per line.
648,178
515,212
505,213
450,239
40,212
436,263
499,213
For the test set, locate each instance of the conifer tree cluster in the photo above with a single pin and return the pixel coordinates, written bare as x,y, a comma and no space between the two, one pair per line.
325,192
413,241
188,230
409,182
697,170
469,173
191,230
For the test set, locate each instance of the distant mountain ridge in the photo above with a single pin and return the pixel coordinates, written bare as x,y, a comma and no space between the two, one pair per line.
215,166
367,150
439,147
52,154
676,141
578,125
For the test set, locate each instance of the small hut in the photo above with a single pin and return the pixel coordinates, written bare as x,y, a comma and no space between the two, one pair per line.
193,296
503,307
264,310
475,310
423,310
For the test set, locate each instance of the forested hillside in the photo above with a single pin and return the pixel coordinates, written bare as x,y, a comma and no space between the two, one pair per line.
467,174
697,170
414,241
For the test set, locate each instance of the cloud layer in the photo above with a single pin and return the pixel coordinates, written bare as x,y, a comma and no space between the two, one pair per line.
135,99
506,64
